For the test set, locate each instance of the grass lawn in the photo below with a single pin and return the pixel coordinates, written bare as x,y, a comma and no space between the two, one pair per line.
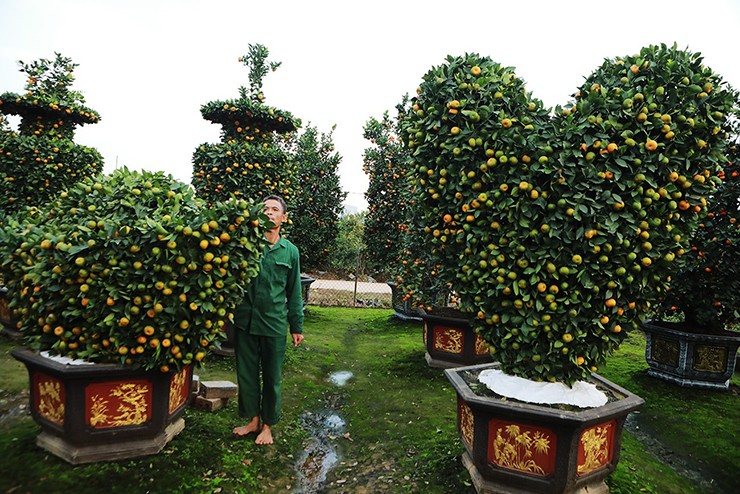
392,427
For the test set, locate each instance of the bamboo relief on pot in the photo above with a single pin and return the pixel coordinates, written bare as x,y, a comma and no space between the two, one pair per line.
481,347
4,308
522,447
666,351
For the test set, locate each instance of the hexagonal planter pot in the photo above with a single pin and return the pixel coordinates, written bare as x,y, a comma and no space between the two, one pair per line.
518,448
306,282
450,340
100,412
402,308
688,358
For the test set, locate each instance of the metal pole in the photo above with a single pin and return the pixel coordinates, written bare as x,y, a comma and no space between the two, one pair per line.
357,276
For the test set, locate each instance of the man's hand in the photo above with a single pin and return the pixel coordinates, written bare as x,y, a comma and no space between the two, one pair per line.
297,338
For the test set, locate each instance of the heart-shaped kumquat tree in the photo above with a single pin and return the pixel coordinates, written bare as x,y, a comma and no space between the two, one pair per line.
564,229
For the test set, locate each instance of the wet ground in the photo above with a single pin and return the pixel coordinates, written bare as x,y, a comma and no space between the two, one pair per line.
13,405
322,457
325,426
328,429
688,467
321,467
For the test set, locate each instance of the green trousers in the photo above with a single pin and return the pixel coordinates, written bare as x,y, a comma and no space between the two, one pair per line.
257,355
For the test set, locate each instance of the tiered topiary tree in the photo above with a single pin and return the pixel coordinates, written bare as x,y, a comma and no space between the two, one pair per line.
247,162
559,234
42,159
317,205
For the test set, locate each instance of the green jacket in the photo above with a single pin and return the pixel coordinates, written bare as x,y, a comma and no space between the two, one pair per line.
274,298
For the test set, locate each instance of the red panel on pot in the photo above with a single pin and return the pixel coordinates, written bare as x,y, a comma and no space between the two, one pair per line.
466,422
118,403
179,389
481,347
522,447
448,340
49,397
595,448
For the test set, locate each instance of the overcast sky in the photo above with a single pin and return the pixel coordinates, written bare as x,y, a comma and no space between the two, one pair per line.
148,65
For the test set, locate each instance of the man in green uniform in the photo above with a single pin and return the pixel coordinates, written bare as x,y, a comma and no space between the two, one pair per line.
273,304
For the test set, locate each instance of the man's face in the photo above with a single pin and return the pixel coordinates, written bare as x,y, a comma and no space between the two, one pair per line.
275,212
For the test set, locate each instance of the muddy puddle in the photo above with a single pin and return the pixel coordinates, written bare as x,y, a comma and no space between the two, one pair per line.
325,427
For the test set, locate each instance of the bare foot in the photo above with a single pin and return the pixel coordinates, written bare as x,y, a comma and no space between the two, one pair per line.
252,426
264,437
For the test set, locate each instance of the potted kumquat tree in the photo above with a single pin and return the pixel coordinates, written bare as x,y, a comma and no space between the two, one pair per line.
418,293
558,233
121,286
693,339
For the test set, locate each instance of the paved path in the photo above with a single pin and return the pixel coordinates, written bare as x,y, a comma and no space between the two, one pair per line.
362,286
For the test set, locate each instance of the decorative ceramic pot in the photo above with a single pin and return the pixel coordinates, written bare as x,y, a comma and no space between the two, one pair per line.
402,308
450,340
306,288
517,447
689,358
99,412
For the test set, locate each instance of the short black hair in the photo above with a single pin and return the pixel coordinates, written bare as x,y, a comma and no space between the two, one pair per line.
278,199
